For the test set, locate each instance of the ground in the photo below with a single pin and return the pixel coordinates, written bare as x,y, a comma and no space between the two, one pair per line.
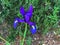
51,38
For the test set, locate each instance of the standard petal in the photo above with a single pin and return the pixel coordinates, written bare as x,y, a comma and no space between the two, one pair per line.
29,13
30,10
22,11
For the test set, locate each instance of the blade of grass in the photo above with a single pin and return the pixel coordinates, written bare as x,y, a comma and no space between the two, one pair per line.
2,39
7,43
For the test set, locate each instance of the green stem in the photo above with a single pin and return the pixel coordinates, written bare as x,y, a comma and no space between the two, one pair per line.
24,34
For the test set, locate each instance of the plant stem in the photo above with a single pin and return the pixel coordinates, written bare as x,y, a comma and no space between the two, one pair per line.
24,34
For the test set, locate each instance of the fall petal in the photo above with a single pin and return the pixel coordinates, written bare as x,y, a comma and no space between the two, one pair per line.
16,21
15,24
33,29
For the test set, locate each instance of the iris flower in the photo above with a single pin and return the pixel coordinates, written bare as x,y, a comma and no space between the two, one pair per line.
26,18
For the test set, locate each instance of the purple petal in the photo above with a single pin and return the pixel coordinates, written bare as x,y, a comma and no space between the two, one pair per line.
30,9
15,25
31,23
27,17
28,14
21,20
16,21
22,11
32,27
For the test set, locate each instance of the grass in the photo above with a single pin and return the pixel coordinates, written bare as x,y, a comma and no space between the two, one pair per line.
6,42
45,15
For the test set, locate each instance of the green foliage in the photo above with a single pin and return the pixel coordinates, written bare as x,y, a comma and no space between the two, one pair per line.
12,34
7,43
28,41
45,15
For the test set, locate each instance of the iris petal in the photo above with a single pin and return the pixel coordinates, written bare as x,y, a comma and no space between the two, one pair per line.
31,23
22,11
27,17
30,9
21,20
16,21
32,27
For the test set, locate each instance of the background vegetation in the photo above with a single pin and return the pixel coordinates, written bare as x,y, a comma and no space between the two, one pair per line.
46,15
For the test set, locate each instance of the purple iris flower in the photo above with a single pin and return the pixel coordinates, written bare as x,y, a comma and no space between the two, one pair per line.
26,18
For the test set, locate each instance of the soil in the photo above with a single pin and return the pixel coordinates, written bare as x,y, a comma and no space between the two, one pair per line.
37,39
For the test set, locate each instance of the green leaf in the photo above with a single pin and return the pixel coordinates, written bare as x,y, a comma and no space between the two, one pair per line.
7,43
